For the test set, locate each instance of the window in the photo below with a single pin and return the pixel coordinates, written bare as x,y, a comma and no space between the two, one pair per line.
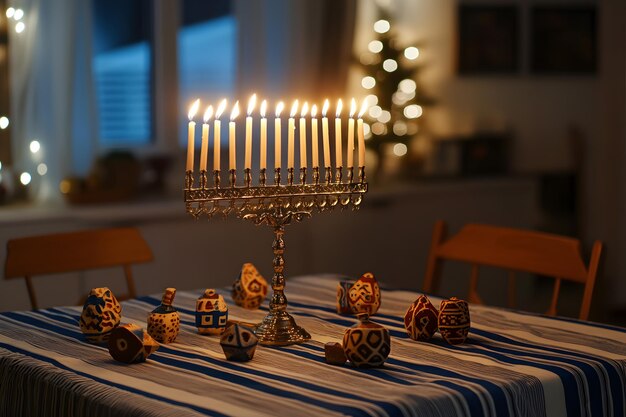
206,55
122,66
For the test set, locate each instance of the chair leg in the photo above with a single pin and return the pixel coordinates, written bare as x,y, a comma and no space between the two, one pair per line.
132,293
555,297
433,264
473,296
31,293
594,263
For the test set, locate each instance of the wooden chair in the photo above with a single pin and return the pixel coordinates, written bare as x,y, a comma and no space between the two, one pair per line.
514,250
76,251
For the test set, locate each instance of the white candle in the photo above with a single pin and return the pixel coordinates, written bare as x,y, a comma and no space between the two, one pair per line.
191,132
325,137
338,150
361,136
277,135
314,137
291,127
248,153
351,134
204,150
217,132
232,150
305,109
263,161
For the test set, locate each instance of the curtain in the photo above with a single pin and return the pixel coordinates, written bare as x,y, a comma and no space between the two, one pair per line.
294,48
53,97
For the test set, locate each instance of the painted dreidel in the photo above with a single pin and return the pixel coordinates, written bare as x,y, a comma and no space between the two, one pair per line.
334,354
238,343
365,295
343,297
454,320
367,344
101,314
129,343
164,321
420,320
211,313
250,289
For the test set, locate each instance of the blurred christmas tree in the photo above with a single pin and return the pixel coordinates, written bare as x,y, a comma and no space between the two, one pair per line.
396,99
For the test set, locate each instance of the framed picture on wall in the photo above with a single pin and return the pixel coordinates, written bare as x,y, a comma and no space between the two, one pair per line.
488,39
563,40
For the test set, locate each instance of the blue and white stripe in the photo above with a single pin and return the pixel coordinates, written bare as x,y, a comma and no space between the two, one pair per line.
514,364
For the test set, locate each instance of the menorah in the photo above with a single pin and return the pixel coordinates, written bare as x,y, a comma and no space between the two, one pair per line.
276,204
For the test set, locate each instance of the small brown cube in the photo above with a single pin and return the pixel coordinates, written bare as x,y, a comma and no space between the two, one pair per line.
334,353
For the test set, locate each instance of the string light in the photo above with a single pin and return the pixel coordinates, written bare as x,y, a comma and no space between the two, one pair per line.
375,111
407,86
412,111
371,99
4,122
384,117
25,178
10,12
42,169
19,27
19,14
35,146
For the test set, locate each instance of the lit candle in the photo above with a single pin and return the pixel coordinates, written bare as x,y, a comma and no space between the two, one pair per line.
305,109
325,134
277,135
351,134
204,150
217,133
232,151
191,132
359,129
248,155
314,137
263,162
338,156
290,134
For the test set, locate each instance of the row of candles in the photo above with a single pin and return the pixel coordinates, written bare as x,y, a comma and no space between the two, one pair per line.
304,111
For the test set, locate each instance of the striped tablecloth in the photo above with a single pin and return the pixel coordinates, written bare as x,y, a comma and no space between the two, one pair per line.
513,364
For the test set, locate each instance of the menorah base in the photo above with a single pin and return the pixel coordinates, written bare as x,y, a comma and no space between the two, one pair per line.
280,329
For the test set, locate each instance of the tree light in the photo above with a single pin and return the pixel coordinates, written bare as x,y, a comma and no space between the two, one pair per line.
382,26
413,111
390,65
368,82
375,46
400,149
411,52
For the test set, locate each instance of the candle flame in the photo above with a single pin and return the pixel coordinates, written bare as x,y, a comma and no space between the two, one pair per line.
193,109
208,113
364,107
325,107
220,109
314,110
339,107
251,104
263,108
352,107
235,112
305,109
294,109
279,108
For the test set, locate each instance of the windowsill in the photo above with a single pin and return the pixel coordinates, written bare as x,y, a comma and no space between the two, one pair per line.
160,207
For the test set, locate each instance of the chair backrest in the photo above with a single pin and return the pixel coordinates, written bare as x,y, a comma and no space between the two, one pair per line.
76,251
514,250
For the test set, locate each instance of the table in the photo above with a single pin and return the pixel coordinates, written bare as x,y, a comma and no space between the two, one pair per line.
514,364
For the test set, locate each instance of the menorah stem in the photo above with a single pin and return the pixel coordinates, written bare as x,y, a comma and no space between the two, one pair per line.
350,174
262,177
303,175
203,179
247,177
188,180
279,328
